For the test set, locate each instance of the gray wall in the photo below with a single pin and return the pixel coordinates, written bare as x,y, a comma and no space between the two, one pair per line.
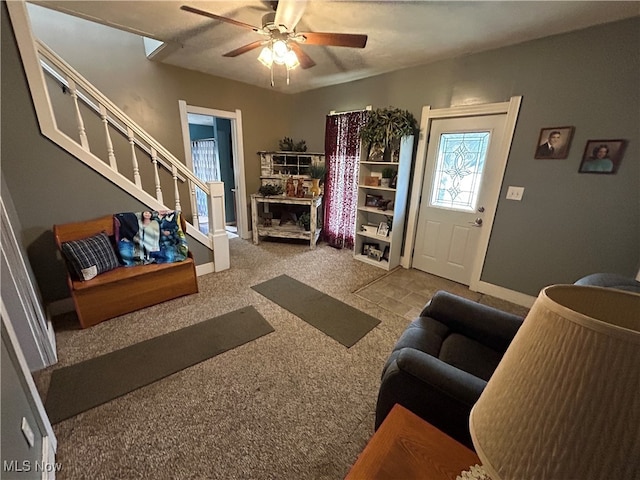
16,405
567,225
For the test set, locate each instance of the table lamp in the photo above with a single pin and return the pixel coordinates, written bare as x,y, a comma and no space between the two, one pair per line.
564,402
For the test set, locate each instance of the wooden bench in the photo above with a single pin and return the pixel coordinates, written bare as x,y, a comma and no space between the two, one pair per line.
124,289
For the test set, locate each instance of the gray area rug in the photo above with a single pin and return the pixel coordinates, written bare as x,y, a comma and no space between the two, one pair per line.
340,321
85,385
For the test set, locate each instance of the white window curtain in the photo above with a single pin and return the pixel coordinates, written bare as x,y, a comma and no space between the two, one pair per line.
206,166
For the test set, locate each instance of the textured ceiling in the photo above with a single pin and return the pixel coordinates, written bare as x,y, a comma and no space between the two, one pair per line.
401,34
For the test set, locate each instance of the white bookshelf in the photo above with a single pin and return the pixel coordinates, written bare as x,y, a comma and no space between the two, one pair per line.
369,217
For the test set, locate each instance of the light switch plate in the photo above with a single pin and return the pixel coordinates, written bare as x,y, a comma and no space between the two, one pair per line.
515,193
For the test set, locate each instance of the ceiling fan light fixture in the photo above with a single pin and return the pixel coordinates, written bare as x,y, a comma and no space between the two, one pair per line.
280,50
291,60
266,56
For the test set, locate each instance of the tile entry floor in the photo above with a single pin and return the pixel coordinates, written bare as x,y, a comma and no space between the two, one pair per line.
405,293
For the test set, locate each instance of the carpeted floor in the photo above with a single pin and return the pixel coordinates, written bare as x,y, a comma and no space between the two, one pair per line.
293,404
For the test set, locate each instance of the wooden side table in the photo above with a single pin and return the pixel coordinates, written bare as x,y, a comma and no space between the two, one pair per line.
408,448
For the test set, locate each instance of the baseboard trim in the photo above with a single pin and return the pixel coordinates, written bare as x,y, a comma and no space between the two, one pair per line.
204,269
502,293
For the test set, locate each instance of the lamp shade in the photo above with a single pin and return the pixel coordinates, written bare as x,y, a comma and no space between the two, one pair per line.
564,402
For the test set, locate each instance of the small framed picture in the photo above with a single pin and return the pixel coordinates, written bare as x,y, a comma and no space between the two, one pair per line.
375,254
553,142
602,156
372,200
366,247
376,153
371,181
383,229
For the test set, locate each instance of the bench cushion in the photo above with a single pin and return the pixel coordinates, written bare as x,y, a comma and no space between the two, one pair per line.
90,256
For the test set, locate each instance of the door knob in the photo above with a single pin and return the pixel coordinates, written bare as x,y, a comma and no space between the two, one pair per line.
477,223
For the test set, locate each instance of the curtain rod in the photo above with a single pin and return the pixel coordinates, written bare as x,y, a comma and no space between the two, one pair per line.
203,139
367,108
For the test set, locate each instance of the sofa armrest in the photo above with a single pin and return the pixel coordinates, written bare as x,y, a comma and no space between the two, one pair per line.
441,394
487,325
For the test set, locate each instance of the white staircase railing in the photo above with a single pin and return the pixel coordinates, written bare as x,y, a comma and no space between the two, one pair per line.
39,60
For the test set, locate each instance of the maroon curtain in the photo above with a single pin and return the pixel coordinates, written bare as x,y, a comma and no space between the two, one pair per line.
342,154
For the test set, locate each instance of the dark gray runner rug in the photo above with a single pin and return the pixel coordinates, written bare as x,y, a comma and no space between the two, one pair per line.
340,321
85,385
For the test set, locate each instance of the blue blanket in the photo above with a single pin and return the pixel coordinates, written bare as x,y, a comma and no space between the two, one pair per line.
150,237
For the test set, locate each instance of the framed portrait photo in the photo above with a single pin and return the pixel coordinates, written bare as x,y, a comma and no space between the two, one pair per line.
602,156
554,142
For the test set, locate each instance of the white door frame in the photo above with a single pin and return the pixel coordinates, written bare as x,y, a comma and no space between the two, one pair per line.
242,218
511,109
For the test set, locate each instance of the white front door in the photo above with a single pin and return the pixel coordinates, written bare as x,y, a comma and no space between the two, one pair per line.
460,189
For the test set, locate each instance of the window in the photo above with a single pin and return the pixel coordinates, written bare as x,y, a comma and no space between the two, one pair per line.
459,168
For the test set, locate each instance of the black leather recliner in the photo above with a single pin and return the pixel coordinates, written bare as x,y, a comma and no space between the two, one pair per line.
443,360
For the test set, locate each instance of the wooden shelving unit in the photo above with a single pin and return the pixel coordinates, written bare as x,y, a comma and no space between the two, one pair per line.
369,217
260,204
276,165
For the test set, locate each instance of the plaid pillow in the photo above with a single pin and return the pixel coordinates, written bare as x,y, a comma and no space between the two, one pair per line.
90,256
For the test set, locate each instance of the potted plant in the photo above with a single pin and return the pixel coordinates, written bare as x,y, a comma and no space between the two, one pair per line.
385,127
286,144
269,190
305,221
387,174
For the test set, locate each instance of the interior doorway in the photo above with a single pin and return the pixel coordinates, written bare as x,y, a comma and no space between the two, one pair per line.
460,163
213,151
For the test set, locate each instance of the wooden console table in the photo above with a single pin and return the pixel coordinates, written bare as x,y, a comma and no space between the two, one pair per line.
407,447
289,230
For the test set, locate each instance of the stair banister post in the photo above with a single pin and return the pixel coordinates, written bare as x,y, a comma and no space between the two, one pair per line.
110,153
194,205
154,160
84,141
134,159
174,174
217,222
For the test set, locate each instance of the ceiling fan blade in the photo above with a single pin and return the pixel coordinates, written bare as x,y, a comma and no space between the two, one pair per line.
335,39
289,13
304,59
244,49
197,11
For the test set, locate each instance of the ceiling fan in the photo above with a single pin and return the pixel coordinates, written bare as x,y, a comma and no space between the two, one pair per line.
281,38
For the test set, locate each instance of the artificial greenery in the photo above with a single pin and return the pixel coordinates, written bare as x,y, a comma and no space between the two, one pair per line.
305,221
386,126
317,170
288,145
269,190
388,172
300,146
